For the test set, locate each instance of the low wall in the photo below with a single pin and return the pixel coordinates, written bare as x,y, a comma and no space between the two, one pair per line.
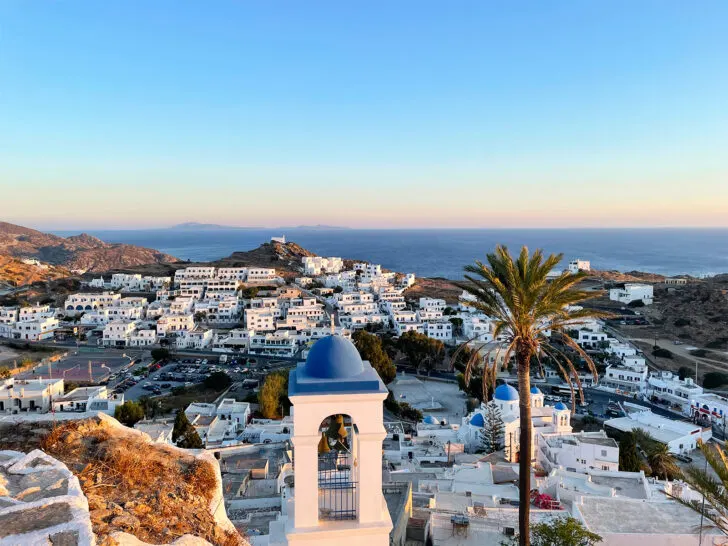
251,504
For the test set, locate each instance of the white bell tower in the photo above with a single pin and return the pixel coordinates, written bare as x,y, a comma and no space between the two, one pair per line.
337,496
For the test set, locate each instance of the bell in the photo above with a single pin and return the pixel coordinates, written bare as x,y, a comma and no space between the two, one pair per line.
323,445
342,431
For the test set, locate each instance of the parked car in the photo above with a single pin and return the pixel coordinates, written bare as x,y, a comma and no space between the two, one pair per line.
683,458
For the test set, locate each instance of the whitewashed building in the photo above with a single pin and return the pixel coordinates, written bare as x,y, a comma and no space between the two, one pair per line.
316,265
545,420
628,378
577,265
117,333
35,330
632,292
24,395
679,436
578,452
172,324
82,302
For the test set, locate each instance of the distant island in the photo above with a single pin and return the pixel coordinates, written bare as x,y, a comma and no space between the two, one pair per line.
203,226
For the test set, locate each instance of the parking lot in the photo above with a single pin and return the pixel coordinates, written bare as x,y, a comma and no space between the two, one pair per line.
85,365
185,372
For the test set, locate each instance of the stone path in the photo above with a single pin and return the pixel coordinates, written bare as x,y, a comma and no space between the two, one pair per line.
41,502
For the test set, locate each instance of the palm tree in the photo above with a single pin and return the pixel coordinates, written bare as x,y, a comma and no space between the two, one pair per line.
713,488
529,312
662,462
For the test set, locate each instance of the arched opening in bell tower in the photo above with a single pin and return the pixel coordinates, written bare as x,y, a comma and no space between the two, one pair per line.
338,469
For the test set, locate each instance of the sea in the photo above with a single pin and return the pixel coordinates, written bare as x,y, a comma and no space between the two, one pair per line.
444,252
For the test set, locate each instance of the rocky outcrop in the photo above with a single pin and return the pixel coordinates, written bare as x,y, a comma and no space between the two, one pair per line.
139,492
80,252
41,502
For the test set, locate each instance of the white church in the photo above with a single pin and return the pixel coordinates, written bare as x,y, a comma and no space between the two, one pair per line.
545,420
337,493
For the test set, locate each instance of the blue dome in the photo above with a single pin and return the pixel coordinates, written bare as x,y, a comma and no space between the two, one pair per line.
333,357
535,390
477,420
506,392
560,407
430,420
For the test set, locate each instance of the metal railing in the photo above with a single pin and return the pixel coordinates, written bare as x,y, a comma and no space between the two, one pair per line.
337,486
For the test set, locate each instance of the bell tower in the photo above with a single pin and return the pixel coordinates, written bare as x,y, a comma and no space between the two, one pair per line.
337,449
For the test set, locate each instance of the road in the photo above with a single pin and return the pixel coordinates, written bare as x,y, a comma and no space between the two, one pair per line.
684,351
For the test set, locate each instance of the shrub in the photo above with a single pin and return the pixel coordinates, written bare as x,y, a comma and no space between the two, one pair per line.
4,372
719,343
636,303
160,353
660,352
682,322
371,349
712,380
184,434
218,381
129,413
273,395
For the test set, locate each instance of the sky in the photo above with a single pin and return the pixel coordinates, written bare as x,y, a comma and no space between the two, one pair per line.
124,114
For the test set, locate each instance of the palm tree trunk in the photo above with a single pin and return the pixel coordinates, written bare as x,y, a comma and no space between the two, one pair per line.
524,460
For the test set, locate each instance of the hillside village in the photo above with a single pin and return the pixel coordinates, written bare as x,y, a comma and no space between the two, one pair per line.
155,339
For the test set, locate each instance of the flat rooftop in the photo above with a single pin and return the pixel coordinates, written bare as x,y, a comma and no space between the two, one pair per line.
618,515
633,488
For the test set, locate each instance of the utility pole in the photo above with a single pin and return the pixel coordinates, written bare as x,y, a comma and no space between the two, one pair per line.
90,375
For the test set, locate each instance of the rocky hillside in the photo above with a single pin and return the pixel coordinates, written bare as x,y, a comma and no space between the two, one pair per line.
696,313
78,253
285,257
136,490
14,272
628,276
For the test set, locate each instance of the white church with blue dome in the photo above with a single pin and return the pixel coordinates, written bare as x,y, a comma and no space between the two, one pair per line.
544,420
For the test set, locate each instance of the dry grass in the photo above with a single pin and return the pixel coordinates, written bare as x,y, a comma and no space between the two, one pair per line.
147,490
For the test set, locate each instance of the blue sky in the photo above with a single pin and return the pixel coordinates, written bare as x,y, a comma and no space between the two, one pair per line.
370,114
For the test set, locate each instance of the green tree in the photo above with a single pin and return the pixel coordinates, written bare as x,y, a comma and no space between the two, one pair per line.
420,350
150,406
184,434
473,388
525,305
371,349
69,386
684,372
129,413
199,316
160,353
457,326
661,461
712,380
273,395
629,459
218,381
492,435
460,357
563,532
